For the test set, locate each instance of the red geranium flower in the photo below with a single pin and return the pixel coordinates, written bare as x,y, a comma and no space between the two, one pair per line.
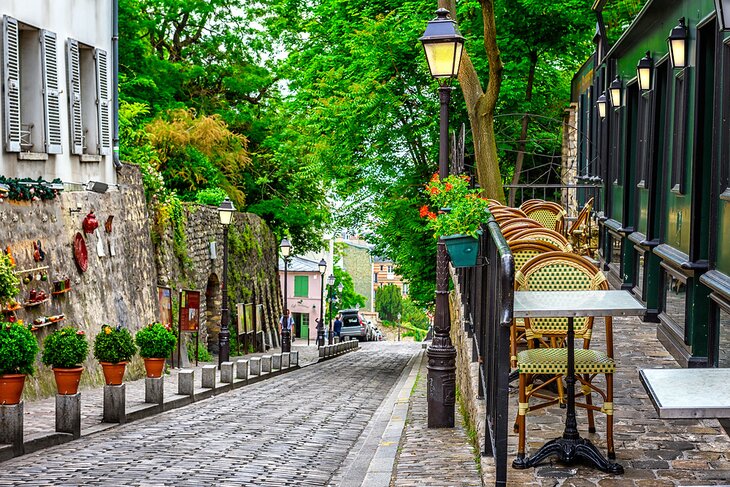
448,187
423,211
433,190
431,215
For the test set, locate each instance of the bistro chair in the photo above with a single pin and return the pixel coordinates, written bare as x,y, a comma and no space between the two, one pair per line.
581,234
526,205
544,234
517,225
522,251
563,271
550,215
505,214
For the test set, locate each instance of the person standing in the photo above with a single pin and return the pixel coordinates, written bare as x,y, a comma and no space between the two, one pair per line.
288,323
338,326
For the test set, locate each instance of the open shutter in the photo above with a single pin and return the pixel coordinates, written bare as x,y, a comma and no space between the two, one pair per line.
11,83
102,101
51,94
73,66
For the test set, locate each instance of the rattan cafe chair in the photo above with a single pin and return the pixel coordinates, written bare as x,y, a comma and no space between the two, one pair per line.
543,234
550,215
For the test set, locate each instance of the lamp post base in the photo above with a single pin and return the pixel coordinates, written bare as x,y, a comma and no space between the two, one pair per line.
320,338
286,341
441,386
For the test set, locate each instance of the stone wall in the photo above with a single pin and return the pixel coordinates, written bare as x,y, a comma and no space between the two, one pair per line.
118,287
357,262
252,276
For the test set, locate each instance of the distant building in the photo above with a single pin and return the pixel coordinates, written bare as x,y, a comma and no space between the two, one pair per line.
383,274
304,285
357,262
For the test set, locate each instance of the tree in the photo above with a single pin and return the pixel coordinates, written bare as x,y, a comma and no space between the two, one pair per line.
388,302
348,298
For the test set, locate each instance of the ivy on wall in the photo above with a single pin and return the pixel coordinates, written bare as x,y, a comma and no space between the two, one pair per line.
27,189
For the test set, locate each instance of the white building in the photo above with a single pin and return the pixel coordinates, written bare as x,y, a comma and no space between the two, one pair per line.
57,88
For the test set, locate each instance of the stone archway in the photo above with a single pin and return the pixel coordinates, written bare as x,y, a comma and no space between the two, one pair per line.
213,299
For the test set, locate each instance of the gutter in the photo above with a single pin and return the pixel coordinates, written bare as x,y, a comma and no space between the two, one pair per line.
115,84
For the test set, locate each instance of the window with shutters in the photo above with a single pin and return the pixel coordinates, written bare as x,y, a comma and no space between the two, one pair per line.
31,89
88,99
301,286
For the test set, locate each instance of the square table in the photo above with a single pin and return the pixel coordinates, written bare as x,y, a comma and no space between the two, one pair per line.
569,304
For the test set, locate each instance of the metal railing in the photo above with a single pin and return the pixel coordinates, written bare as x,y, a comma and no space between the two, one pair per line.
487,297
571,196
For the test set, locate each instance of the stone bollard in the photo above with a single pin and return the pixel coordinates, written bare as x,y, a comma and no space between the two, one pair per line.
154,390
115,404
285,360
276,361
242,369
227,372
186,382
209,376
321,351
293,359
254,366
328,351
265,364
68,414
11,426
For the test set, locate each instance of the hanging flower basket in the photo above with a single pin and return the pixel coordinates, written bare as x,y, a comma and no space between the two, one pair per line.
463,249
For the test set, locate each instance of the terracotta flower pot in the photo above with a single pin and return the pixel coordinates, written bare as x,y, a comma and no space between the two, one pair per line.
154,366
67,379
113,373
11,388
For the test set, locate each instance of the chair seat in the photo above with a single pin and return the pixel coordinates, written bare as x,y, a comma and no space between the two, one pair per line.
555,361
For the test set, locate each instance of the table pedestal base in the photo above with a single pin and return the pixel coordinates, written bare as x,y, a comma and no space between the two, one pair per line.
569,451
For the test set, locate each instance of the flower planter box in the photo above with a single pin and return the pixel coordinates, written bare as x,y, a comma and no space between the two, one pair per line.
463,250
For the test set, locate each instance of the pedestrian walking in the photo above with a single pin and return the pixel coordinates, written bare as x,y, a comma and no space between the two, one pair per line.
287,324
338,325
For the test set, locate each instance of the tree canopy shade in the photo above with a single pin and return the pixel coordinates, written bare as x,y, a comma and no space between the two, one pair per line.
388,302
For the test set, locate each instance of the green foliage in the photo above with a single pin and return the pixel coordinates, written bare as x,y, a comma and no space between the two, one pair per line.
461,210
65,348
415,315
27,189
203,353
18,349
210,196
155,341
388,302
348,298
114,345
9,282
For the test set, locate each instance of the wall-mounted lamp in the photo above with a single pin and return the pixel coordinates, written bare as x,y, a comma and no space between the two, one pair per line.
614,90
722,8
601,103
678,45
644,71
97,187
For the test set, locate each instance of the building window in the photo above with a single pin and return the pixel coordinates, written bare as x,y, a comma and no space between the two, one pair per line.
375,277
381,268
679,158
30,89
725,147
405,289
301,286
390,269
675,299
88,97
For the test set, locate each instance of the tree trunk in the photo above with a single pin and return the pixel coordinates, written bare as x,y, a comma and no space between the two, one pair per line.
523,134
480,105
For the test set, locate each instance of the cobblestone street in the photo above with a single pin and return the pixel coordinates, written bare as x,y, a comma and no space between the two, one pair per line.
291,430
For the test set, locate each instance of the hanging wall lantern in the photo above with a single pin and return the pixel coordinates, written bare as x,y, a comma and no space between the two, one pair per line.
614,90
601,103
644,71
678,45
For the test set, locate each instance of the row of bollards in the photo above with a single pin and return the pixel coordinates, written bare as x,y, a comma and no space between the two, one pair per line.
68,407
329,351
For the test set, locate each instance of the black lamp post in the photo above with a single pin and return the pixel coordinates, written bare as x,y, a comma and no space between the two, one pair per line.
320,328
443,45
330,283
225,213
285,247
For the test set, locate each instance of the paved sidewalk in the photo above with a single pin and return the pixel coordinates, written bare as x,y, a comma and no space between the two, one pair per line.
40,414
433,457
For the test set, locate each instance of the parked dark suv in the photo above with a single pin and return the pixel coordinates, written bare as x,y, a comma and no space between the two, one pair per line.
353,325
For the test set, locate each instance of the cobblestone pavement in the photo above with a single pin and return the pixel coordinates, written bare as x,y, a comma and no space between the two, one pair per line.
653,452
40,414
292,430
433,457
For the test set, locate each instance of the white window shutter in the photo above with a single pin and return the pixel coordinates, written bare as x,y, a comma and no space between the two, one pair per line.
51,93
102,101
11,83
73,66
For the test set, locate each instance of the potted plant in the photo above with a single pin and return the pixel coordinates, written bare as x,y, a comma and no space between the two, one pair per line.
9,282
458,213
18,350
156,342
65,350
113,347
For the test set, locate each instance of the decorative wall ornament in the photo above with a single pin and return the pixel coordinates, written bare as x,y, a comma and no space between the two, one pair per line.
80,254
90,223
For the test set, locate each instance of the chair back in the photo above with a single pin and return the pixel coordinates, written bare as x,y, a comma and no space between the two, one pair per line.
526,205
517,225
582,217
504,214
559,271
550,215
524,250
544,234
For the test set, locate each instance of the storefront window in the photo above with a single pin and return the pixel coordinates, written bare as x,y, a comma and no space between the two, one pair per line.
675,297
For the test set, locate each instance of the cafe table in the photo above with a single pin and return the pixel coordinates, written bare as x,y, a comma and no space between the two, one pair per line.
570,447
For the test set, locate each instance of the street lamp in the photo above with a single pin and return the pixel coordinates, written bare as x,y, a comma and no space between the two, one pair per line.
614,90
330,283
443,45
678,45
320,328
644,71
601,103
225,213
285,247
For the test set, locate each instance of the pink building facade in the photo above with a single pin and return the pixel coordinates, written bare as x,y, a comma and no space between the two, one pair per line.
304,285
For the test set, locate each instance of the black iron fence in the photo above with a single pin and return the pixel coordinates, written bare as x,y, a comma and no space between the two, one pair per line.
572,196
487,297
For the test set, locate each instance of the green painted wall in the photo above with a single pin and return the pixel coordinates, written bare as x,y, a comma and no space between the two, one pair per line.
641,225
723,238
